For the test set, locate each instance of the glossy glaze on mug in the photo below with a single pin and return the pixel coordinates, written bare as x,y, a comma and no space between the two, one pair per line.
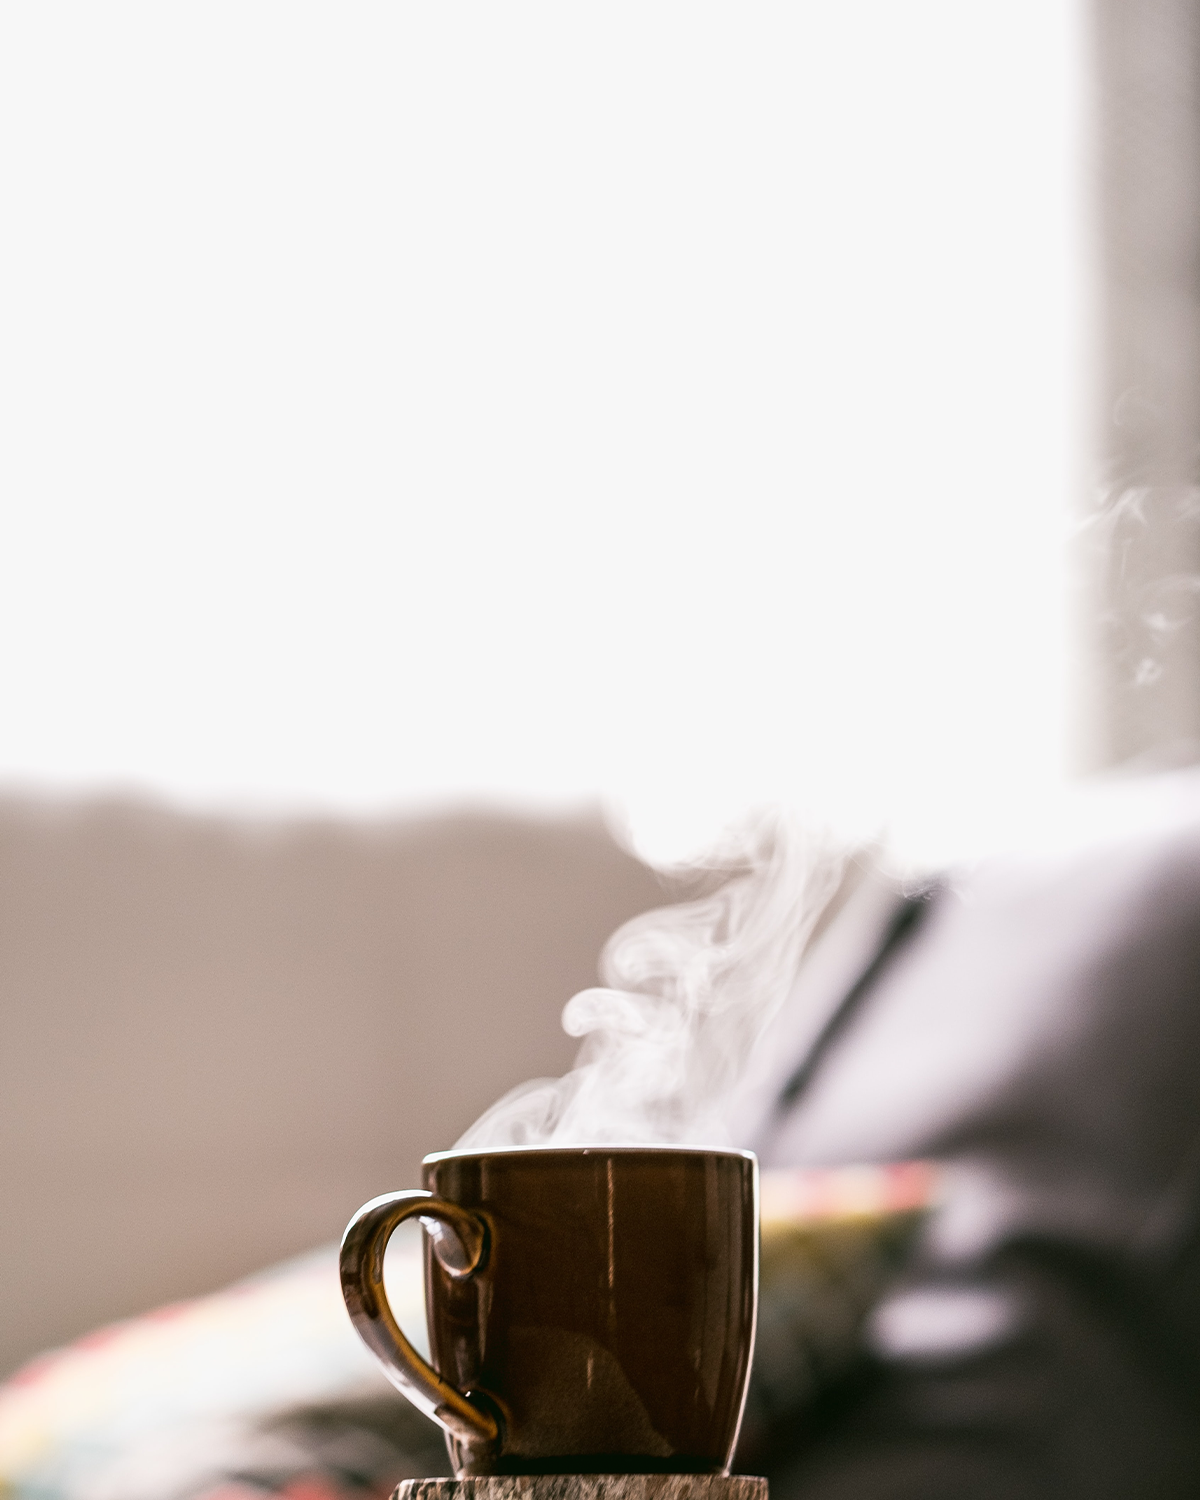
611,1323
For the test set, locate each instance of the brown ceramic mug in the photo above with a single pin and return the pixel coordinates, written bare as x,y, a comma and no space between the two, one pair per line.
591,1309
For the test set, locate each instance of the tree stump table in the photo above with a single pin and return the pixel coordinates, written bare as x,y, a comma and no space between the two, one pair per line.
587,1487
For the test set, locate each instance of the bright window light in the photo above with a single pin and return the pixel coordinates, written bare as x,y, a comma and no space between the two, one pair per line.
666,401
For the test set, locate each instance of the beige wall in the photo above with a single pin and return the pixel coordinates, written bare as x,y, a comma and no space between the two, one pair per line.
217,1039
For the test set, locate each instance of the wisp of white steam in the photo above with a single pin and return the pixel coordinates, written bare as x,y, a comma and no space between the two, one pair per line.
688,991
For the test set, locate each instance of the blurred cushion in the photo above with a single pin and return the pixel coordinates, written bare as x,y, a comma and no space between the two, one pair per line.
262,1388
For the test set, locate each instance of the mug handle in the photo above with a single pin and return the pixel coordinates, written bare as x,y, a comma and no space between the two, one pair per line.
460,1242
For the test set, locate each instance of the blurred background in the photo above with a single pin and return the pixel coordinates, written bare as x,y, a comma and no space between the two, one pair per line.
654,403
453,458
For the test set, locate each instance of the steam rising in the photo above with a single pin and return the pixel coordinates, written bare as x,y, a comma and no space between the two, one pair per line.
688,991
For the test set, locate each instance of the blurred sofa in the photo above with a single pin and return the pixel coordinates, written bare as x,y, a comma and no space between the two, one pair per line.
996,1074
221,1035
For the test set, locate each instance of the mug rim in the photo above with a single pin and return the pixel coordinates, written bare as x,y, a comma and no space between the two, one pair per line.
588,1148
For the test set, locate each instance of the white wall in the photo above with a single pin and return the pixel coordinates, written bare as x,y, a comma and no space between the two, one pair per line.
665,400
